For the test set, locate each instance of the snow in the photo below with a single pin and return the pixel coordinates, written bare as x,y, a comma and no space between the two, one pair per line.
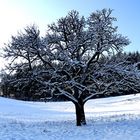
111,118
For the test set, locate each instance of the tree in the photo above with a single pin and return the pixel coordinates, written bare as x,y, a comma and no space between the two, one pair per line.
72,56
133,57
21,51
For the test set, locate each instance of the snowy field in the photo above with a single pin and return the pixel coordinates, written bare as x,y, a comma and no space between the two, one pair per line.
116,118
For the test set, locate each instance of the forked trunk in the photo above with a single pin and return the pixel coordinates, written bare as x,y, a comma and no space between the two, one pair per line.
80,114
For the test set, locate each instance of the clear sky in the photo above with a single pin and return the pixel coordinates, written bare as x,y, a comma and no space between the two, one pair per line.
17,14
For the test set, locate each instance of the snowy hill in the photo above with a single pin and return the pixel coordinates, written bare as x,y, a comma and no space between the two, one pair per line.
107,119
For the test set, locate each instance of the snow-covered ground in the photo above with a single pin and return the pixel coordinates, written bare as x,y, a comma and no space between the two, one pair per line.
107,119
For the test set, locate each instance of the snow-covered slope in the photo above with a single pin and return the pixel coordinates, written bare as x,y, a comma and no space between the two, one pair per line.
107,119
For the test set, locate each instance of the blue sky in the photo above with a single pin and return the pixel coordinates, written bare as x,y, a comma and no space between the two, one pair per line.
17,14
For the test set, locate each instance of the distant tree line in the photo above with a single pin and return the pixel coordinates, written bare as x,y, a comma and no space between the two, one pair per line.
23,86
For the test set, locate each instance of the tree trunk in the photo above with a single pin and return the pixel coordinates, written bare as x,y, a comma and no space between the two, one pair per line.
80,114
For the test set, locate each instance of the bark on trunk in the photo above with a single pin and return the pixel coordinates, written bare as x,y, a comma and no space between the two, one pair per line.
80,114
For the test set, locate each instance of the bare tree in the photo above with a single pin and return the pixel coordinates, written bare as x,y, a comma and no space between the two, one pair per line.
72,55
21,51
76,47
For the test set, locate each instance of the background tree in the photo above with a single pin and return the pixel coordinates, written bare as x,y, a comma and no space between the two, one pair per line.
21,51
75,59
